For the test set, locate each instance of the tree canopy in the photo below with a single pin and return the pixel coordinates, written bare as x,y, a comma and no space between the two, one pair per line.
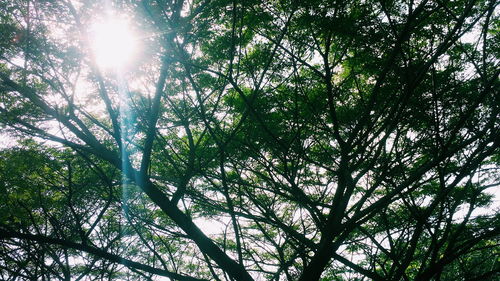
250,140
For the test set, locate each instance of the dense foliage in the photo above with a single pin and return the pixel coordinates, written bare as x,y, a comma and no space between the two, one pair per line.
251,140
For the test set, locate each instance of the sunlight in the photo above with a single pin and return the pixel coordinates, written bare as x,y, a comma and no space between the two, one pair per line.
113,43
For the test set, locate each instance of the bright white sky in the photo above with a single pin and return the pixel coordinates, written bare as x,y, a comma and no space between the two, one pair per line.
113,42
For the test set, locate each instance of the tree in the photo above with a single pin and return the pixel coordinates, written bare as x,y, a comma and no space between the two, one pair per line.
251,140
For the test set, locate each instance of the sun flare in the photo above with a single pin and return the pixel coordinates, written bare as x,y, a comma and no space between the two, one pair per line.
113,43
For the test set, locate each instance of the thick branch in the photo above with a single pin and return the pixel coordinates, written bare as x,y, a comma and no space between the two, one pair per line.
6,234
